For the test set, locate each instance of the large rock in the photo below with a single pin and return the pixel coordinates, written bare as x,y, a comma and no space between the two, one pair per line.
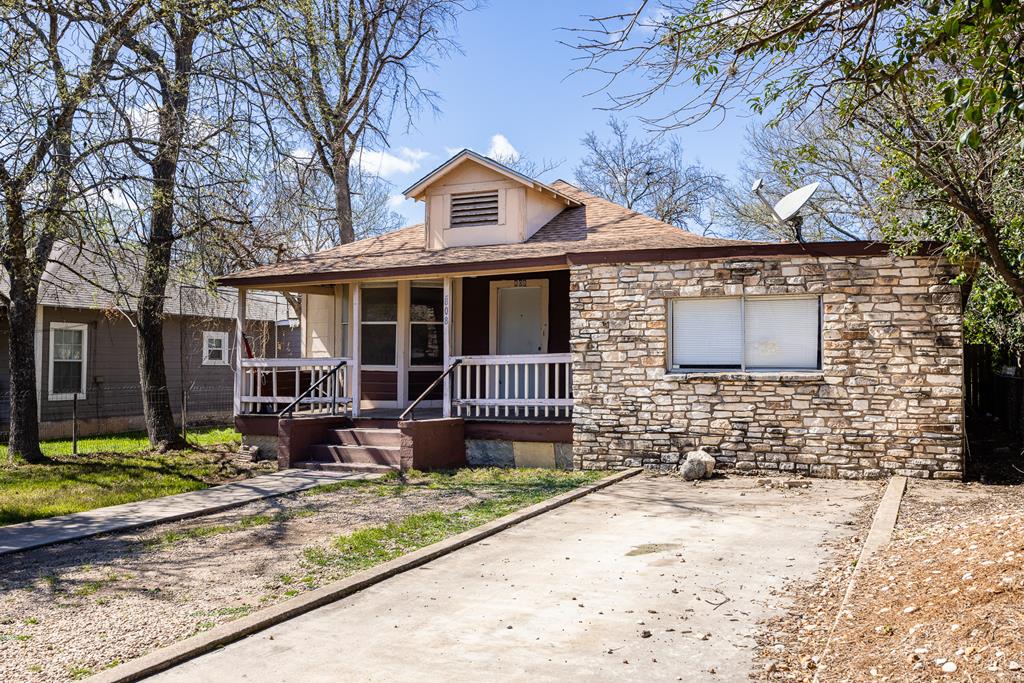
699,464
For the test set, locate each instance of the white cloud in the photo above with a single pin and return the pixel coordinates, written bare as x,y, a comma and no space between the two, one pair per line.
501,148
395,201
385,164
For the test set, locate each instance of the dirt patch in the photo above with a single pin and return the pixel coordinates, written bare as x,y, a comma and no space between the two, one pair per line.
945,600
70,610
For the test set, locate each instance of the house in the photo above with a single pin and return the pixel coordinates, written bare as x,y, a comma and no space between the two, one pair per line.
574,332
85,342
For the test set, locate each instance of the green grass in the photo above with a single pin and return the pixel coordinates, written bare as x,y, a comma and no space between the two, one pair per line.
507,490
109,470
169,538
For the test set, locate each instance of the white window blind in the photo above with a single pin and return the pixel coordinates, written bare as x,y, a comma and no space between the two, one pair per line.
748,334
781,334
707,333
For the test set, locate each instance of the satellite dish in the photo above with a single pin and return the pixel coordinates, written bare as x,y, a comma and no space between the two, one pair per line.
788,206
757,185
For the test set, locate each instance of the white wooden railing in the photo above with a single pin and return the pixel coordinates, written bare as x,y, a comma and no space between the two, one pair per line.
270,384
534,385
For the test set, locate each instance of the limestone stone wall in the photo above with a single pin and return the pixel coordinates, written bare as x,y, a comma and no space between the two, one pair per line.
887,400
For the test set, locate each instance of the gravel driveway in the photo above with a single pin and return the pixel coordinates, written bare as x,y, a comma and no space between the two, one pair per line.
73,609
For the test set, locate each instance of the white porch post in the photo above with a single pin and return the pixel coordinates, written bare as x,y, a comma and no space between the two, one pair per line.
446,344
356,367
239,351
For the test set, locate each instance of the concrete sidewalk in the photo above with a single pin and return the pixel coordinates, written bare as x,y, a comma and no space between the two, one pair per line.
652,579
42,532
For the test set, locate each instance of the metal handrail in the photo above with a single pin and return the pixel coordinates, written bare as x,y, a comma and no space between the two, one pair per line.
287,412
412,407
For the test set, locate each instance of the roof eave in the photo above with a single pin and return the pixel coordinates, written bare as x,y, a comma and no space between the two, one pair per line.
752,250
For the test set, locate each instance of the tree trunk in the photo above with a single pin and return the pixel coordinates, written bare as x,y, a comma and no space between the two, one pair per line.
24,425
343,196
156,398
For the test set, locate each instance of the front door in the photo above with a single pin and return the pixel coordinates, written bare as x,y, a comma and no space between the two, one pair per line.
520,329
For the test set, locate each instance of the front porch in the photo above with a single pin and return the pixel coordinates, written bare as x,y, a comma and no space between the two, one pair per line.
490,351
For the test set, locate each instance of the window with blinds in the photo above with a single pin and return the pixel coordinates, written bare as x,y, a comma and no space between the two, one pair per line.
478,208
749,334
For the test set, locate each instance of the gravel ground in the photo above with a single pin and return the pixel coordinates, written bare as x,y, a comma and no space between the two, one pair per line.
70,610
944,601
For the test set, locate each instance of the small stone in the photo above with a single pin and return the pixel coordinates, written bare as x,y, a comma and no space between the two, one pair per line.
948,668
909,610
645,634
1013,666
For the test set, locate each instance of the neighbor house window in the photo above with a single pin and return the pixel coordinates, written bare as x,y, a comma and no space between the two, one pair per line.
747,334
67,360
426,323
477,208
378,325
215,348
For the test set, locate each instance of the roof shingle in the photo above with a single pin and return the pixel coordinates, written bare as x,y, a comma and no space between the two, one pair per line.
598,225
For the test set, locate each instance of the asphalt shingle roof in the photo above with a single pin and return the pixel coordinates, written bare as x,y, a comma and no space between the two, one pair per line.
595,226
88,277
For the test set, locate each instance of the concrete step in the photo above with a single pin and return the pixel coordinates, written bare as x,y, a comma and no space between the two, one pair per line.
366,437
381,455
364,467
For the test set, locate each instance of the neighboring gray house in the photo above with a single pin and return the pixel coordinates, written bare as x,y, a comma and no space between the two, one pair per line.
86,345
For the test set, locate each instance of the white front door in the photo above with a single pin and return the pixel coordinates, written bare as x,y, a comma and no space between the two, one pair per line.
519,327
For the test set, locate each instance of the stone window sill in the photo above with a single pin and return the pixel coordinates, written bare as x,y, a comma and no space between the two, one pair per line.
736,375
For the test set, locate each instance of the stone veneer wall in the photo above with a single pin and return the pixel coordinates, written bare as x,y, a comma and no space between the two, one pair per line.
888,399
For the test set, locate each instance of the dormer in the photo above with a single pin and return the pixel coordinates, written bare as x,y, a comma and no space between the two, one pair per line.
472,200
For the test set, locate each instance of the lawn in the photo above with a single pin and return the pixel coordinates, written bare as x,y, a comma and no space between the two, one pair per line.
503,491
110,470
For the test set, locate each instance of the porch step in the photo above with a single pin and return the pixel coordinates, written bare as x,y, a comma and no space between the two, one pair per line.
364,467
366,437
381,455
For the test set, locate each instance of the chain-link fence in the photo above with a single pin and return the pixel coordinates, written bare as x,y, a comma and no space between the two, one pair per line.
109,409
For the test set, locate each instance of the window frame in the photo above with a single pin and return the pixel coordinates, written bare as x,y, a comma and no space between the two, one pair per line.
742,369
428,284
225,339
84,329
394,324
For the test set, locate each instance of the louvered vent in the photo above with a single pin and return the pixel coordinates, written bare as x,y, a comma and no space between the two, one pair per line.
479,208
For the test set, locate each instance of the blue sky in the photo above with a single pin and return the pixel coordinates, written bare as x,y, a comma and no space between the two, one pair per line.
512,86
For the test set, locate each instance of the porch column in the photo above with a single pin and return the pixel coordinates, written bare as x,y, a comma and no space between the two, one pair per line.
355,383
446,344
239,351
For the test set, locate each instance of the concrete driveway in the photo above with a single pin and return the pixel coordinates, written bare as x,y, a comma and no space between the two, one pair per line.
650,579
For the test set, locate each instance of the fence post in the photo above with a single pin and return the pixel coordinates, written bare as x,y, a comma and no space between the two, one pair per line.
74,424
184,413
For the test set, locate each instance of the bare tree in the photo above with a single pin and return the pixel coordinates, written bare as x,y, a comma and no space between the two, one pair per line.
53,55
175,107
335,73
647,175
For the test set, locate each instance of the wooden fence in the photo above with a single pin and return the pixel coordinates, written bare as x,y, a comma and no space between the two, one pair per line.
994,387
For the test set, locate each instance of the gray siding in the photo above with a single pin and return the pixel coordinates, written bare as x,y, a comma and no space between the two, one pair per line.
113,399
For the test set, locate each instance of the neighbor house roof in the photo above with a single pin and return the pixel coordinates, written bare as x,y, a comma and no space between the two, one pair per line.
593,226
107,278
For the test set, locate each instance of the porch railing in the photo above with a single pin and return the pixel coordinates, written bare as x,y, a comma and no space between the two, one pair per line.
271,384
533,385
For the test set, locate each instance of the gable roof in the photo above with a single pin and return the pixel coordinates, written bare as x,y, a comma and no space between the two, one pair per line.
87,277
592,225
416,190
